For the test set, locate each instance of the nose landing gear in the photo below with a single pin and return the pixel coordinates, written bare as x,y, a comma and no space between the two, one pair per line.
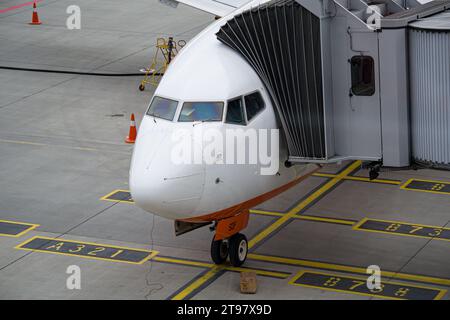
235,247
229,242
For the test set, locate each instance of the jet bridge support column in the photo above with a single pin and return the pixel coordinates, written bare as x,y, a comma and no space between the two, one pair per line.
394,97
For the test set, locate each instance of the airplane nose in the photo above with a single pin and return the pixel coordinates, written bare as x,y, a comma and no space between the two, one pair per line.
159,192
160,186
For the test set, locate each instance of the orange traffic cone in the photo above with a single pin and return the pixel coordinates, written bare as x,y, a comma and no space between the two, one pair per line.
35,17
132,135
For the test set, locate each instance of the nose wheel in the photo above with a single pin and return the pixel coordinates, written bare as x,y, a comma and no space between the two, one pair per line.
236,247
219,251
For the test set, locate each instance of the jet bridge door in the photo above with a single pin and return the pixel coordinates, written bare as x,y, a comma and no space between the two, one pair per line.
356,105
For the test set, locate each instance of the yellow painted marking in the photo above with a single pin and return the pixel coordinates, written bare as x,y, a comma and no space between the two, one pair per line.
59,146
31,227
391,221
349,269
405,186
274,274
214,269
360,223
211,273
323,219
152,255
105,198
23,142
184,262
439,296
267,213
197,283
304,217
329,175
291,213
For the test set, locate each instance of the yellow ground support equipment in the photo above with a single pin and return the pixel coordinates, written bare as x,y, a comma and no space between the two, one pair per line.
168,49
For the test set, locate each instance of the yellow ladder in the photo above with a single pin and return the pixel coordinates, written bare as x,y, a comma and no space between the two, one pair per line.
168,49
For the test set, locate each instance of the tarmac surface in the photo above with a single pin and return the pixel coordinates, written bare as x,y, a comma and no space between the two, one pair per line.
63,159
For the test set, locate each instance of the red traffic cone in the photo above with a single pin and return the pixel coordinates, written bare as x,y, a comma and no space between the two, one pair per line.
35,17
131,138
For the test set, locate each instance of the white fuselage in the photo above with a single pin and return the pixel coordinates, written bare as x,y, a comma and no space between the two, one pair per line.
205,70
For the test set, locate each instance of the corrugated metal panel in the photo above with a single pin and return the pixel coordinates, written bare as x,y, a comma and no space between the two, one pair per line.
281,41
430,95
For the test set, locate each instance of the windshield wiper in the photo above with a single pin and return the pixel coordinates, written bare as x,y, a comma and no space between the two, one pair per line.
152,115
201,121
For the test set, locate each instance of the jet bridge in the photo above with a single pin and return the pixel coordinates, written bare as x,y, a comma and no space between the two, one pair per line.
347,77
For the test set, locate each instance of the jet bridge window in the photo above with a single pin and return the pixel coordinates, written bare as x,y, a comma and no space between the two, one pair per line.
363,76
201,111
254,103
235,112
162,108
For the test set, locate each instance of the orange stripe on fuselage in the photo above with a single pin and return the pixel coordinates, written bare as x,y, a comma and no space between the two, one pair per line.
247,205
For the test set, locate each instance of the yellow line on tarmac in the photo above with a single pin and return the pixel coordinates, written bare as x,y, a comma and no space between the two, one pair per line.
328,175
197,283
267,213
184,262
350,269
291,213
275,274
213,271
304,217
323,219
60,146
107,197
23,142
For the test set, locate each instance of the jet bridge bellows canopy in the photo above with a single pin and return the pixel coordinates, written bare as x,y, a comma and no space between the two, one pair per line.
281,41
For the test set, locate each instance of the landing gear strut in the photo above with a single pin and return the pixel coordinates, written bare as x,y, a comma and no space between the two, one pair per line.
236,247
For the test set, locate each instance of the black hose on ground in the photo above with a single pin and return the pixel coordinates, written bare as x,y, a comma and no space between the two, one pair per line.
81,73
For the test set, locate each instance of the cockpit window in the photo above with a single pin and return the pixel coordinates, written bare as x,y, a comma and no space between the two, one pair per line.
201,111
163,108
235,112
254,103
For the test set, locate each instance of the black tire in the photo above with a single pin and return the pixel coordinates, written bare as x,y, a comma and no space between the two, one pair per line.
219,251
141,87
237,249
